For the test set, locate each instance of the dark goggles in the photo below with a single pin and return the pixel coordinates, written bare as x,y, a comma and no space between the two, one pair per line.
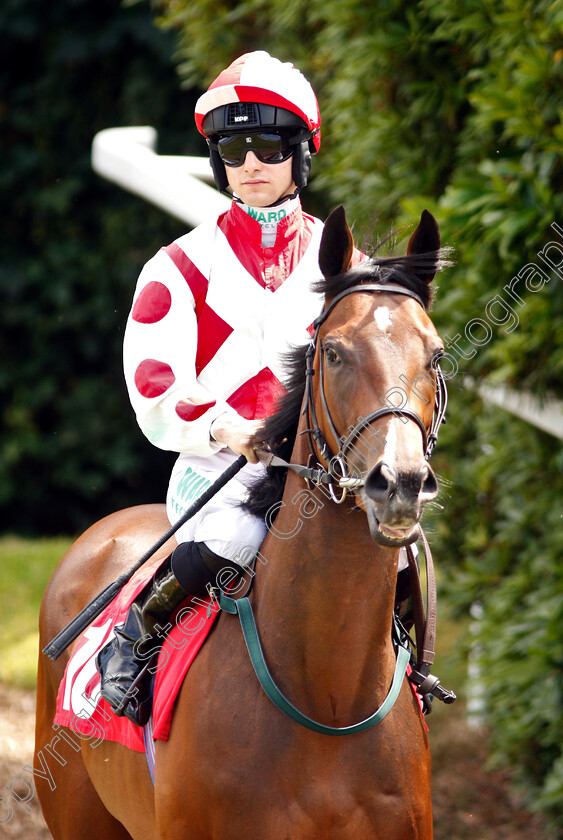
269,147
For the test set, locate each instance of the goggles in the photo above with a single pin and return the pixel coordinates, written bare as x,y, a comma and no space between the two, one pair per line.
269,147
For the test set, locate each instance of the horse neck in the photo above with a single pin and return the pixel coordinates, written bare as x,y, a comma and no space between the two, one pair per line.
324,602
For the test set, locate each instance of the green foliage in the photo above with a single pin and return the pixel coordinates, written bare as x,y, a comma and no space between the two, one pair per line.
455,106
367,63
503,529
72,246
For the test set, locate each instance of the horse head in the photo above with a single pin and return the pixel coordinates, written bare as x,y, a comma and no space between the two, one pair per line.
375,374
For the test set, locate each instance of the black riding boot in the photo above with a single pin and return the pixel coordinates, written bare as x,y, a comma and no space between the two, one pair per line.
124,662
403,587
403,601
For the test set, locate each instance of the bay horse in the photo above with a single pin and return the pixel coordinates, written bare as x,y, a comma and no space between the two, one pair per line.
359,407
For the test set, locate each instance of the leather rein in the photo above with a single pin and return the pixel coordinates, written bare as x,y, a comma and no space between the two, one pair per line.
334,474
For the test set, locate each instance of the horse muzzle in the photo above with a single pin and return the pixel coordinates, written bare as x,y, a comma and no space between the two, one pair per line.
394,501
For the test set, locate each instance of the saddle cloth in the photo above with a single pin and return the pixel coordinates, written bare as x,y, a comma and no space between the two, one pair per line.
80,706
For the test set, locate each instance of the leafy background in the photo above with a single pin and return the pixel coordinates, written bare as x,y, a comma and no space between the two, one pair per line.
455,106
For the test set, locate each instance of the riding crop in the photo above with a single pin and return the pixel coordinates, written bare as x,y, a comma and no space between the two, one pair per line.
92,610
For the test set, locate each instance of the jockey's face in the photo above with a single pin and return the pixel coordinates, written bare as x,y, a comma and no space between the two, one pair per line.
261,184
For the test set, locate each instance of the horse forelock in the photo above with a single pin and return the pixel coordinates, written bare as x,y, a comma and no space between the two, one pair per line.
407,271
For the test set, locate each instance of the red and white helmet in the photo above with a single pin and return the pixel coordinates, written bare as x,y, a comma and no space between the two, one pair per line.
258,91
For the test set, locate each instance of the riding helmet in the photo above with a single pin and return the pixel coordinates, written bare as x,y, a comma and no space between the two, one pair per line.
258,91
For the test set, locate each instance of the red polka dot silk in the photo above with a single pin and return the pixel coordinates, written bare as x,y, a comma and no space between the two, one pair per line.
153,378
152,304
187,410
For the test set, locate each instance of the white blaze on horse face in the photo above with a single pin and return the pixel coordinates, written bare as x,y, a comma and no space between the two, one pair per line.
390,444
382,317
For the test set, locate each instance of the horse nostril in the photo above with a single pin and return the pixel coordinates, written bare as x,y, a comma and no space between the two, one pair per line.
429,484
381,482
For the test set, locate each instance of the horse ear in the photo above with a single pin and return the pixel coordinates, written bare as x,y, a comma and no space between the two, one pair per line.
425,240
337,245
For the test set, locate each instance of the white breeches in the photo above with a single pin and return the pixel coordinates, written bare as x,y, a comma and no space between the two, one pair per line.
221,524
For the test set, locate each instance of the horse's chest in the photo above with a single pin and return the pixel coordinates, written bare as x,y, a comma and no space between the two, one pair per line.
248,771
344,794
265,783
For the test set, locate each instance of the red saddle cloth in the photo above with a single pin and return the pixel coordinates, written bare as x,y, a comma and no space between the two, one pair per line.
80,705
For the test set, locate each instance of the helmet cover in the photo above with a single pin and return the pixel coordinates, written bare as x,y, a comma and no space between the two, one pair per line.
257,77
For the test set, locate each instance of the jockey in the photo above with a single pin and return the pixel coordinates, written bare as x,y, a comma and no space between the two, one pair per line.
211,315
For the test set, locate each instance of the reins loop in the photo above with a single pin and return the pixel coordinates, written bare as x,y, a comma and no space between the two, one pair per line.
419,675
242,607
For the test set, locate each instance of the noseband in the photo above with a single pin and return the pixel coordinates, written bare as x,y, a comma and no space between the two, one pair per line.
335,473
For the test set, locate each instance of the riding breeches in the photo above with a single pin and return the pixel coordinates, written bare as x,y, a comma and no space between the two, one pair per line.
222,524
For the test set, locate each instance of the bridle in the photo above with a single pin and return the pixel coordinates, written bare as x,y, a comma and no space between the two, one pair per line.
335,473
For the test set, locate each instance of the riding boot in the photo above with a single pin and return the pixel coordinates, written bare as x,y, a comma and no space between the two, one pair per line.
125,662
403,600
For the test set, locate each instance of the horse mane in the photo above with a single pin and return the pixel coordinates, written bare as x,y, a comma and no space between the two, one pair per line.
279,430
407,271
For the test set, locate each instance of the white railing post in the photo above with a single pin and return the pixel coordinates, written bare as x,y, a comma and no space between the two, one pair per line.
178,184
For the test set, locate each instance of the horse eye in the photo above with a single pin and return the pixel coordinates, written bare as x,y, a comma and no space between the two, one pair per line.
438,355
332,356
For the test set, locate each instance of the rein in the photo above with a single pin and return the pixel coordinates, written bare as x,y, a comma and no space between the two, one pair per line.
420,675
425,626
243,608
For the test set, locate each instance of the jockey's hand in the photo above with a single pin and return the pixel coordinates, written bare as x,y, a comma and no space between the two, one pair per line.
239,435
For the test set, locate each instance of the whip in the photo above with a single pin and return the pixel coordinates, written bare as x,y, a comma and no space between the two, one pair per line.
92,610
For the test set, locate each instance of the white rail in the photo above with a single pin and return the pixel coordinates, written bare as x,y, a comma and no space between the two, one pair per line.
174,183
546,414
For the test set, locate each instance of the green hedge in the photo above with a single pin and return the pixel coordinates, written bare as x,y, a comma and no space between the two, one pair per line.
72,246
504,532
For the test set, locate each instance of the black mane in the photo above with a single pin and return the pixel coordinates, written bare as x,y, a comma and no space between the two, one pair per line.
279,430
407,271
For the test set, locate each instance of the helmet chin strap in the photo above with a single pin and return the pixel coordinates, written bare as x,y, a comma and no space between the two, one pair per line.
286,197
300,169
281,200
